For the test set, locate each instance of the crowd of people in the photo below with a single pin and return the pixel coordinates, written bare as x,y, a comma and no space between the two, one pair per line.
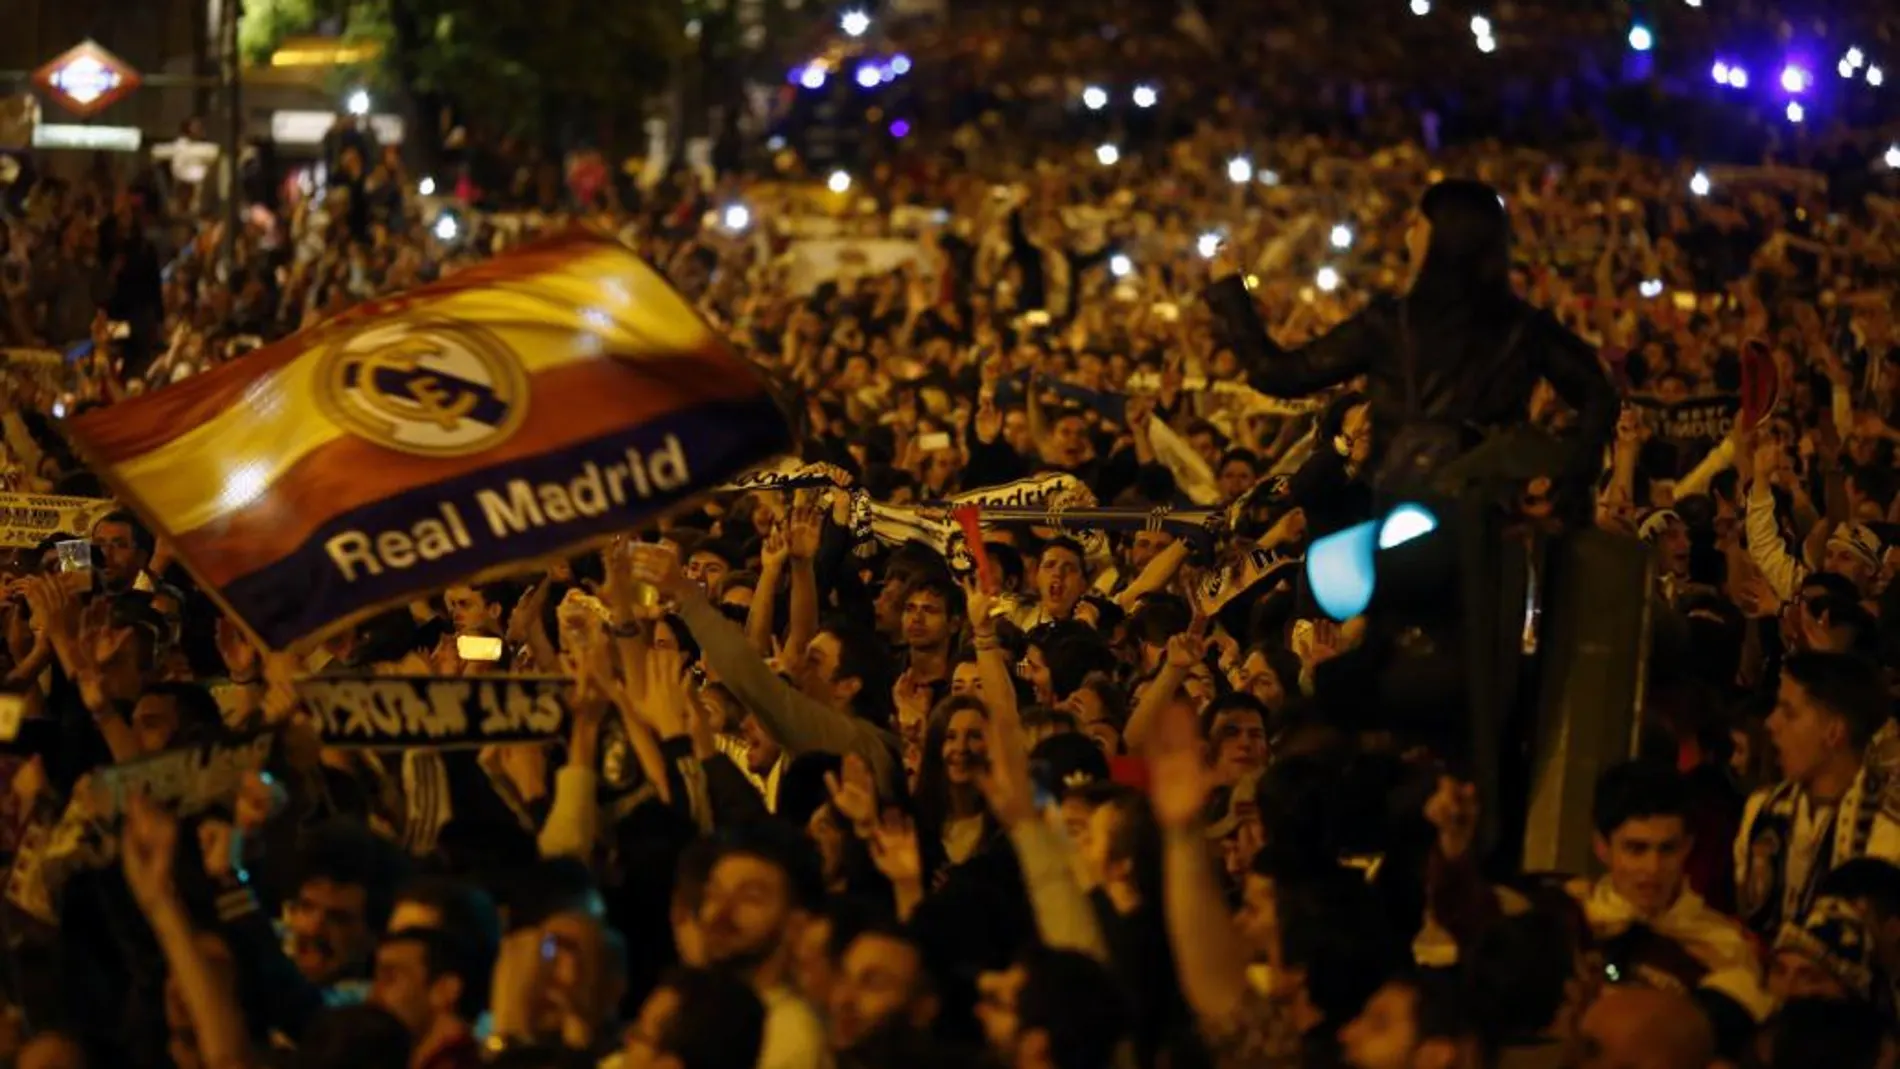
825,798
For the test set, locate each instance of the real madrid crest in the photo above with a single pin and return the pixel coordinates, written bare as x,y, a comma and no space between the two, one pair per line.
430,388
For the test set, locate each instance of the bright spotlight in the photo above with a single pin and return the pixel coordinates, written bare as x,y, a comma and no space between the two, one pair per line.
1240,170
900,64
839,182
1107,155
1893,157
1207,245
426,187
1699,184
1794,79
1719,72
446,228
1650,288
1854,58
812,77
1641,40
1327,280
869,76
1342,236
1875,77
357,103
1095,98
1120,266
1796,113
1421,7
1406,523
1738,77
1487,45
1480,26
1844,69
736,217
1145,96
854,23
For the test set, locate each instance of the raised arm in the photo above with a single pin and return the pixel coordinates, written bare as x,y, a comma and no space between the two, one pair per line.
1329,360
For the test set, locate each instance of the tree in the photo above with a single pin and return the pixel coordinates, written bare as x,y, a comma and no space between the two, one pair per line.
531,68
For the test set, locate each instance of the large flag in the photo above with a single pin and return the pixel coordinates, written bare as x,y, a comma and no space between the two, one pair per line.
529,406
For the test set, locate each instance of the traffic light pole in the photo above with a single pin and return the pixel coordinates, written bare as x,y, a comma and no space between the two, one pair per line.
233,139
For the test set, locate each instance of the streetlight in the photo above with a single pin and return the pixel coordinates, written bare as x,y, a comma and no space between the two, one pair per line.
854,23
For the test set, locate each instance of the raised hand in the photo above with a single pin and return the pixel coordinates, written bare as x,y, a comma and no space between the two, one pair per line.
912,699
854,793
805,527
1178,777
148,841
1185,651
895,851
775,551
1005,780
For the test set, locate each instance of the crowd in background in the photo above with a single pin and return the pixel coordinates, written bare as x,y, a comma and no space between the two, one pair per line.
831,802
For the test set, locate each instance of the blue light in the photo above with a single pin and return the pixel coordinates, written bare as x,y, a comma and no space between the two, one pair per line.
900,129
1406,523
1340,572
900,64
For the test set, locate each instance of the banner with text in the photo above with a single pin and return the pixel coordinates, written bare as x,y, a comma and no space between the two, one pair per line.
436,713
1696,419
28,519
531,406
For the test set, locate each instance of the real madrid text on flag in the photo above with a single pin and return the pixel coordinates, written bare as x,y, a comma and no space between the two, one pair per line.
529,406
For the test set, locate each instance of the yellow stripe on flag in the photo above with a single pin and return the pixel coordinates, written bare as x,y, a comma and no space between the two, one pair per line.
591,307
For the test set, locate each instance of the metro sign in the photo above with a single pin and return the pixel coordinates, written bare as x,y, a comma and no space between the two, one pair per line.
86,79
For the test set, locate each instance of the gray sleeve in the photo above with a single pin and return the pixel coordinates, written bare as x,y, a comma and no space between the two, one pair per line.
797,722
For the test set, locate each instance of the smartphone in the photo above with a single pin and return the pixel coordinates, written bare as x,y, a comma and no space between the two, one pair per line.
12,711
477,648
75,555
930,443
